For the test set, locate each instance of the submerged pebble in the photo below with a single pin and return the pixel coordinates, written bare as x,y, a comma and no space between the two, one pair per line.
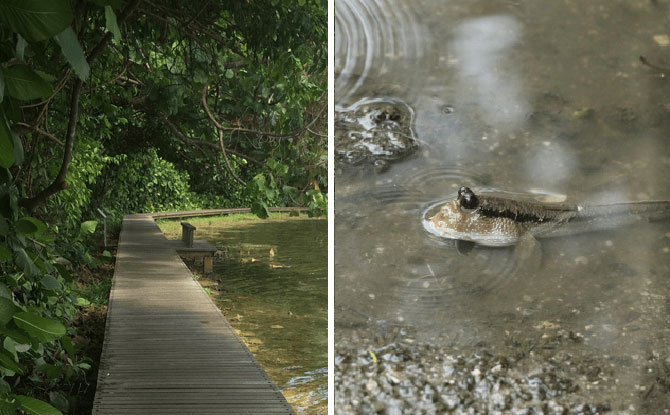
431,379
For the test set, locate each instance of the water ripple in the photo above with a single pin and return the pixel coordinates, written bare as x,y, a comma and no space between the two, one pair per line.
416,278
371,37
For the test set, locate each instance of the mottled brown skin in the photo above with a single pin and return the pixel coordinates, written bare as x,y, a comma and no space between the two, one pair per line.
491,220
460,220
496,221
456,223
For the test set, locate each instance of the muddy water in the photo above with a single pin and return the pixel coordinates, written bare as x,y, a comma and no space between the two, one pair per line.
537,97
271,282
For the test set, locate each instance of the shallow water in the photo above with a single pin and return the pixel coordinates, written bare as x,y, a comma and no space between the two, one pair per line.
274,291
543,97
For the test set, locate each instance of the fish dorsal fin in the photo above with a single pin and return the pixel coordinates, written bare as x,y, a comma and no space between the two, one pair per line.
523,210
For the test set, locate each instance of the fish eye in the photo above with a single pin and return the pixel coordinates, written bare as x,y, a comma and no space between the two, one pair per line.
467,198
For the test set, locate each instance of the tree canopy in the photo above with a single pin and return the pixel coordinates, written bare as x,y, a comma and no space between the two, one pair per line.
134,106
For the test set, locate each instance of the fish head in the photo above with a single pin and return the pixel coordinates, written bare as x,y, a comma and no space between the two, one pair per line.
463,218
457,218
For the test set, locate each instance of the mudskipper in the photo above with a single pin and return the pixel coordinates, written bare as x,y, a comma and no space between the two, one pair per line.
492,219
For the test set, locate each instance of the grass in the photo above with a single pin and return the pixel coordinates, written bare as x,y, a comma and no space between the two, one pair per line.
174,225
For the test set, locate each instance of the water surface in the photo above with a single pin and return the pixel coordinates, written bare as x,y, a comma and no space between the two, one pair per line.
271,282
523,96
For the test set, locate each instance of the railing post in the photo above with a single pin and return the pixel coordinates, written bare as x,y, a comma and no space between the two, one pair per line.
104,227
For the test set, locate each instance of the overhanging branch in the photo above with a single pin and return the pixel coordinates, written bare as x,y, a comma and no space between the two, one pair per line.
196,143
60,182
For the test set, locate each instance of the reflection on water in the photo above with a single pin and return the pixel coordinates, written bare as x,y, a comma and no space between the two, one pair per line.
522,96
274,291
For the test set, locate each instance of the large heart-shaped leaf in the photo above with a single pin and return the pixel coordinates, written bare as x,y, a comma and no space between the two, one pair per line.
260,209
6,142
68,346
25,84
7,310
39,328
32,406
50,283
72,50
7,361
2,86
5,253
88,226
36,20
30,226
112,25
23,260
8,406
17,335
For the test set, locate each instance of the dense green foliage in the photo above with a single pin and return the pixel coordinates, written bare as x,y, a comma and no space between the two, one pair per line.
133,106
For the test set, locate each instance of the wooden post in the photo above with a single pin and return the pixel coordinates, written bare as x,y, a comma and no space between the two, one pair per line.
187,231
208,264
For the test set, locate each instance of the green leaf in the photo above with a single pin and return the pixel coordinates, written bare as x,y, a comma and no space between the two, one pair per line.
20,48
32,406
26,227
63,272
67,345
260,209
88,226
39,328
50,283
110,22
106,254
17,335
11,108
5,292
23,260
45,76
52,371
7,361
5,253
5,174
114,3
229,73
60,401
2,86
36,20
7,310
81,301
6,143
290,190
18,148
72,50
4,230
8,407
10,346
30,226
24,84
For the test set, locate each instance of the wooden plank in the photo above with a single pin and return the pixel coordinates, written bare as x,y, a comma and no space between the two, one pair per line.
167,348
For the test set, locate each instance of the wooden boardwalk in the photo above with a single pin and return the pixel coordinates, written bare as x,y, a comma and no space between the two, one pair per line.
167,348
213,212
